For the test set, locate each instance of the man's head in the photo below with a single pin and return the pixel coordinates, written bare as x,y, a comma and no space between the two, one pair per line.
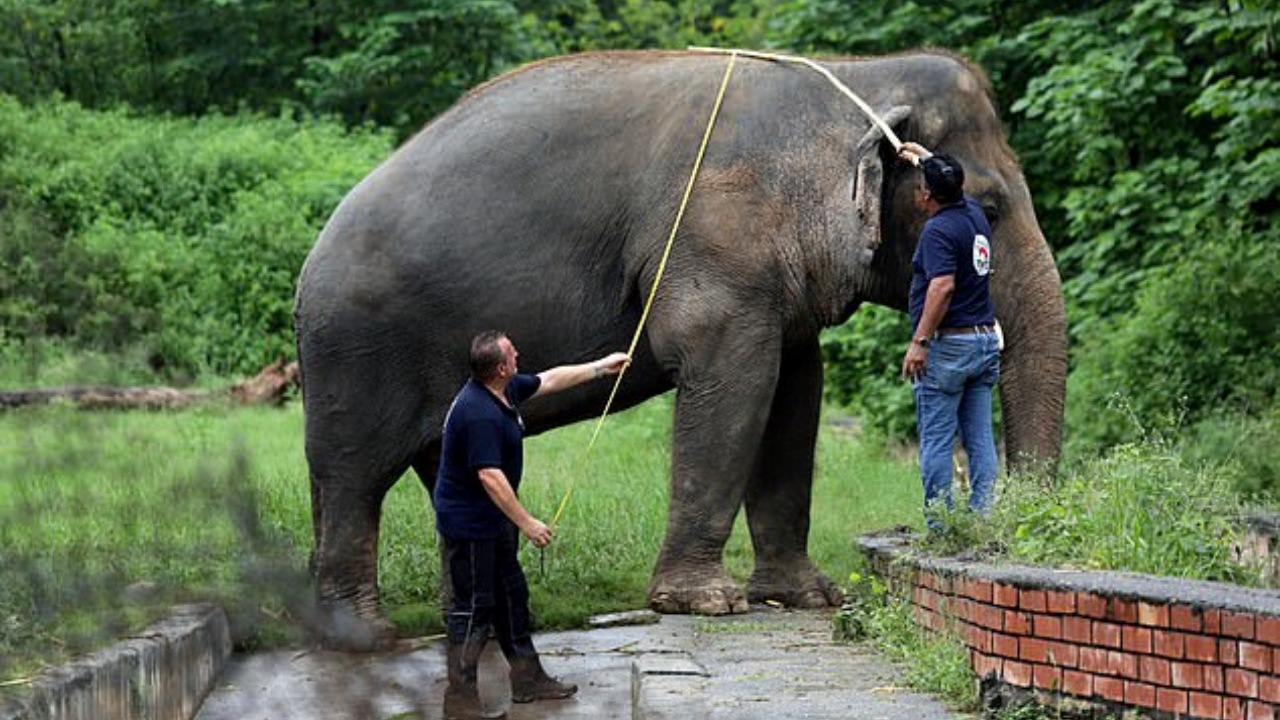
943,179
492,354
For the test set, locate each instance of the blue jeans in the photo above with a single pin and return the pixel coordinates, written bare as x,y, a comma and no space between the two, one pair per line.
954,395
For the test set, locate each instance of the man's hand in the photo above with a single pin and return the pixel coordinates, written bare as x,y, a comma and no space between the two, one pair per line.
914,361
936,301
499,490
537,532
567,376
612,364
913,153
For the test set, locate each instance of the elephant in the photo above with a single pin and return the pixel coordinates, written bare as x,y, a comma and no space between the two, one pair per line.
540,204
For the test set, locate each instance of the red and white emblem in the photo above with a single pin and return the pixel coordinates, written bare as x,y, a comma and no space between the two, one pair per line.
981,254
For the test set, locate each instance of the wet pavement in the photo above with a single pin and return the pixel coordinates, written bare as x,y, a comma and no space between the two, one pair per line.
765,664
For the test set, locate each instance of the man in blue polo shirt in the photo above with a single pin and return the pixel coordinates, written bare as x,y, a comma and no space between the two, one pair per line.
480,516
953,360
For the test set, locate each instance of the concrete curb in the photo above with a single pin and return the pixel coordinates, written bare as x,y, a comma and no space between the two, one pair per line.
667,686
163,673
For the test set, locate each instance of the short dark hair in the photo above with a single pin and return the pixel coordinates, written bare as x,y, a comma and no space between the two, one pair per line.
486,354
943,178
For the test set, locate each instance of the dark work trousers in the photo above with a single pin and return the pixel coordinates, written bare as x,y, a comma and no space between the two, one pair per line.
489,590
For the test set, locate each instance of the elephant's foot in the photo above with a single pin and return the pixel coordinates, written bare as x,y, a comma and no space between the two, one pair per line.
703,591
348,630
798,585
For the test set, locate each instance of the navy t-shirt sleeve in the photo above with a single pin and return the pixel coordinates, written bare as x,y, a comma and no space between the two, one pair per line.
522,387
484,445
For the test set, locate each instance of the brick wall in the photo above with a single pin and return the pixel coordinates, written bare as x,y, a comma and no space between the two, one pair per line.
1165,647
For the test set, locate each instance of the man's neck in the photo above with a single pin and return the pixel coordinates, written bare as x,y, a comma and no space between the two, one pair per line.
498,387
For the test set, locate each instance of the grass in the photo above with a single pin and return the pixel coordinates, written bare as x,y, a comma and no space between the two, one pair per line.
107,517
1143,507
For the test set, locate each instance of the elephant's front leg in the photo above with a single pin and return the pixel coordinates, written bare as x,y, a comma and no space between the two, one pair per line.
779,495
722,405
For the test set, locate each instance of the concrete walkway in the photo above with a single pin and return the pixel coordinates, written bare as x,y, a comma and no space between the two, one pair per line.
766,664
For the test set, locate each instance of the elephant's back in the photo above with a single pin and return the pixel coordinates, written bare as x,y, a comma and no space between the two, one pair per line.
541,175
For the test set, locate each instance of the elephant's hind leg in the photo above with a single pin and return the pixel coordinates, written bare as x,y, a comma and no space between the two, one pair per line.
362,432
345,562
780,492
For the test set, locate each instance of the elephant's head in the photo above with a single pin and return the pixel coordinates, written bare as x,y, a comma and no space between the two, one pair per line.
946,105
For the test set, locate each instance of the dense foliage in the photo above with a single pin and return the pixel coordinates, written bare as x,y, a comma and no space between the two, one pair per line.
175,241
164,166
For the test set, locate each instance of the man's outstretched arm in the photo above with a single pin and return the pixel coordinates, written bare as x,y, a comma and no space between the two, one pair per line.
564,377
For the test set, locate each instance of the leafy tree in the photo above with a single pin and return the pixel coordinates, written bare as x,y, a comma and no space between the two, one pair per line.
403,66
391,62
1172,232
581,25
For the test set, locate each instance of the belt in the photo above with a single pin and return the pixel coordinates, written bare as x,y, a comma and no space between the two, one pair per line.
966,330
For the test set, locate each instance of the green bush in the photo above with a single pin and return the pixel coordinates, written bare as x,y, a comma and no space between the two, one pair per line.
1251,444
178,239
1200,338
54,362
936,663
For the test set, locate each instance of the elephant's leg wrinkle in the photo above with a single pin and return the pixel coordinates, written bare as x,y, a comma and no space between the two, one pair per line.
689,576
779,495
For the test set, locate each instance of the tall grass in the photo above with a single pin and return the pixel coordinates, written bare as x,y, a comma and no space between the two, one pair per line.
106,516
1142,507
1138,507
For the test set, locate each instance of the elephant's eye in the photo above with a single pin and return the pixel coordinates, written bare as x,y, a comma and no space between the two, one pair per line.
991,210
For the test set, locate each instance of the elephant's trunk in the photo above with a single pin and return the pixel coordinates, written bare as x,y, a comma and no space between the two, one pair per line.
1029,304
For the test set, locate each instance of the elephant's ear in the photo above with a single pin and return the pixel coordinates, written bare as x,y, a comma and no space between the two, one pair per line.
869,183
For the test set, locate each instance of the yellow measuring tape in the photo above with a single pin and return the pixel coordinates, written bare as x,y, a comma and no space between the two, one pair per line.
866,109
662,266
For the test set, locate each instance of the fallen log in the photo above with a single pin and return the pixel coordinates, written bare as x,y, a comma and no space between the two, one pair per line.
92,398
269,387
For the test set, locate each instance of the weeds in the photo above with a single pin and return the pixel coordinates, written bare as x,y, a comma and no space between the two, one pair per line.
933,663
1138,507
1142,507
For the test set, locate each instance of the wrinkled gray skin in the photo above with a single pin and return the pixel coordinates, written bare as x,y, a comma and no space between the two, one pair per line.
540,205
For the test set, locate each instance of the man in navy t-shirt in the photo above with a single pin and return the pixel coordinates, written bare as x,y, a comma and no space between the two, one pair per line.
479,515
953,360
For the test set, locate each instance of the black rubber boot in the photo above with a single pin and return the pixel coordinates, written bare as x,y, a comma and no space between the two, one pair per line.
530,682
462,698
